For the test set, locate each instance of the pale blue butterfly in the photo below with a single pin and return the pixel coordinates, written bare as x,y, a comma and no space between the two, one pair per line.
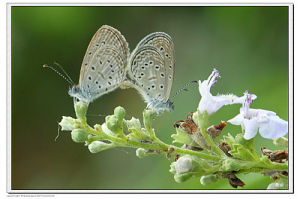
151,70
103,66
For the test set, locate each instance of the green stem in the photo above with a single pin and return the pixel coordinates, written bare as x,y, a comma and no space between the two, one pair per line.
211,142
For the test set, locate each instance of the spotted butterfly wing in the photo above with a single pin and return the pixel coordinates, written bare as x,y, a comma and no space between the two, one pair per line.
103,66
152,69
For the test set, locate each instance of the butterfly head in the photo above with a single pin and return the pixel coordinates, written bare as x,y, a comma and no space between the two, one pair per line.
76,92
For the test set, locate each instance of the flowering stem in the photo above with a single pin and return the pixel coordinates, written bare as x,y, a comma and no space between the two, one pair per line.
211,143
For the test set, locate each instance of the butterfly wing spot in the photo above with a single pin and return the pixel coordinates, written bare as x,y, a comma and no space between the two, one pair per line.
142,74
86,64
143,67
112,71
162,75
93,68
149,88
90,53
90,78
109,83
170,77
110,77
161,48
106,89
100,62
170,66
111,65
167,55
161,87
96,45
146,64
153,86
96,82
103,42
156,67
150,62
99,86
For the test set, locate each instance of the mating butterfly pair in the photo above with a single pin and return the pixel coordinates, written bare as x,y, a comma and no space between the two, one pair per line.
107,65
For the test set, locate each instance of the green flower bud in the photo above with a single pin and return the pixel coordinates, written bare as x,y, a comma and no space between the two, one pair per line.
209,179
119,112
67,123
79,135
134,123
112,123
98,146
80,110
136,131
179,178
141,153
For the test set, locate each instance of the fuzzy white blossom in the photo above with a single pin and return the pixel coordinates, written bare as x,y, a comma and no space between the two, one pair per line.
268,124
212,103
183,164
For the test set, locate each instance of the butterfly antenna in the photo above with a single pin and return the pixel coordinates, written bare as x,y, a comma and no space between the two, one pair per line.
66,74
68,80
184,87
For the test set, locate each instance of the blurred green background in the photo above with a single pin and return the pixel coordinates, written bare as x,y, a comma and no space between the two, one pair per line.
248,45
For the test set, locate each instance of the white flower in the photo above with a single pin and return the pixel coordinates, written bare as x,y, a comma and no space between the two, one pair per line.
212,103
266,122
183,164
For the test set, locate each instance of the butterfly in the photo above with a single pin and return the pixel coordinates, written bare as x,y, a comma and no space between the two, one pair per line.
151,70
103,67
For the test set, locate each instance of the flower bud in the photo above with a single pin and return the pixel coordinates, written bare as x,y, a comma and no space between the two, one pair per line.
112,123
275,185
179,178
67,123
209,179
134,123
79,135
80,110
98,146
119,112
184,164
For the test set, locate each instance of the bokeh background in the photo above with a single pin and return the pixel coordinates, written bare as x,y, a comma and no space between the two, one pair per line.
248,45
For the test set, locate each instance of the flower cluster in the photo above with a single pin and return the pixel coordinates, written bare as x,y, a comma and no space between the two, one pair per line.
267,123
200,154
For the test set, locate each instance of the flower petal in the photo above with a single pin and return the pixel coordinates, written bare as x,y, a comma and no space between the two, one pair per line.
274,128
251,128
237,120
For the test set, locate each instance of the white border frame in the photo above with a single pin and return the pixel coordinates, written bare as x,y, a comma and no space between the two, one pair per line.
291,99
